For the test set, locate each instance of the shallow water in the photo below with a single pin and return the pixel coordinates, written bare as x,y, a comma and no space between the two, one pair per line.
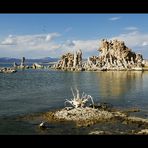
34,91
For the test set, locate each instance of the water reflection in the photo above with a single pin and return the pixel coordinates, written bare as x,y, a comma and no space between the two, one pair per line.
115,84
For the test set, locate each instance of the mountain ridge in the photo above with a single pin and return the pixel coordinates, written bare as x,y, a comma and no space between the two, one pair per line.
17,60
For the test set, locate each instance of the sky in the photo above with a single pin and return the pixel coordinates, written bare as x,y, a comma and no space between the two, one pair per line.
51,35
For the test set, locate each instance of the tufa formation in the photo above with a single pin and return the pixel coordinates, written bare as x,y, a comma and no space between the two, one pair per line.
114,55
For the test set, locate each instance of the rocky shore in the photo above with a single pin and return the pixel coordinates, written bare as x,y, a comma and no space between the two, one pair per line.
87,117
84,115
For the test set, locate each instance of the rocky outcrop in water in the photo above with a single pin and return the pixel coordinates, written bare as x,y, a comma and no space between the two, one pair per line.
70,61
115,55
37,66
22,64
7,70
88,116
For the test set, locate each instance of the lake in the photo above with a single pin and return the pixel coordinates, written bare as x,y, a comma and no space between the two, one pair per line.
36,91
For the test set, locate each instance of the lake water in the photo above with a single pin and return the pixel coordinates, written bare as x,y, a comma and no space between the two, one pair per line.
36,91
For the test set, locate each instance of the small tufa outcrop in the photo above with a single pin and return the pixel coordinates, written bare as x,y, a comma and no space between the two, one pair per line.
71,62
37,66
22,64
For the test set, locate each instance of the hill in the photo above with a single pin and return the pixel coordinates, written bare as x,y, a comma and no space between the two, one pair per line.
42,60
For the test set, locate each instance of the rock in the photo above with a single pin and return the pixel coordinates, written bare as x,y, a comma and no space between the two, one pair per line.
100,133
37,66
8,70
89,116
115,55
22,64
143,132
70,62
42,125
84,116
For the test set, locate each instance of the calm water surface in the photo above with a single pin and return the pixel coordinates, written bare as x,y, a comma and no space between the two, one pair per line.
36,91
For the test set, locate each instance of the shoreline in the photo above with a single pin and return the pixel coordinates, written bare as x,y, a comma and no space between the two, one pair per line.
94,121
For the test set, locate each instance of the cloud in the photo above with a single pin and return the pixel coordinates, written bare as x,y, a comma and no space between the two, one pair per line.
88,47
29,39
145,43
69,43
51,36
43,45
10,40
68,29
38,43
131,28
114,18
135,40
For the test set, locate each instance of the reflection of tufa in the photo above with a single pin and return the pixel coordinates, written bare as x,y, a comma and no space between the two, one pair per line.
42,125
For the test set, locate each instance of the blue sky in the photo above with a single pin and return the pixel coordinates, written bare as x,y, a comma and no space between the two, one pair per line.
43,35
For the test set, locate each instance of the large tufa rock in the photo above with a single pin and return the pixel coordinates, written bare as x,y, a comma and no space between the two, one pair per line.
70,61
115,55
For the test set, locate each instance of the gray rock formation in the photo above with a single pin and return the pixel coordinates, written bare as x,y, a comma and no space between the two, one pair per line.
22,64
69,61
114,55
7,70
37,66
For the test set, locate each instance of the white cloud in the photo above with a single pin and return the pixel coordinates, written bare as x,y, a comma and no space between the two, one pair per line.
10,40
29,44
88,47
43,45
145,43
114,18
133,39
85,45
131,28
29,39
68,29
51,36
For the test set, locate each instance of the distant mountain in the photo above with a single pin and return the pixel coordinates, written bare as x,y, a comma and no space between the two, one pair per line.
42,60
